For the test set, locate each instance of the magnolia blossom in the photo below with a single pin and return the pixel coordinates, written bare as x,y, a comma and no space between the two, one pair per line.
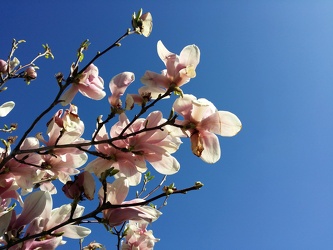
33,207
154,146
24,169
125,162
138,237
8,191
37,217
116,194
64,128
179,70
48,219
201,122
88,84
118,85
6,108
142,24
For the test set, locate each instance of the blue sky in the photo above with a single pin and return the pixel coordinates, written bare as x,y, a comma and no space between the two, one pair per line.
269,62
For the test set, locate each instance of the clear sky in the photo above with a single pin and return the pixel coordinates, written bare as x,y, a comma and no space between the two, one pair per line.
269,62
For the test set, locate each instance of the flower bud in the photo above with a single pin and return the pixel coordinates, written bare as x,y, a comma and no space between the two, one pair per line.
3,66
82,186
30,73
13,63
142,23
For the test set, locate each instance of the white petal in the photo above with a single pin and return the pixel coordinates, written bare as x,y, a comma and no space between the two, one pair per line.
162,51
211,148
33,207
6,108
75,232
190,55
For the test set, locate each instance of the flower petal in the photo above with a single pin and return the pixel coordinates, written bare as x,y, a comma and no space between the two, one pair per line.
162,52
207,146
6,108
190,56
222,123
75,232
69,95
34,205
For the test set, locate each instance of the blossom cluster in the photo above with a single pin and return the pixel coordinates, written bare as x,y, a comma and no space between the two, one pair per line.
125,152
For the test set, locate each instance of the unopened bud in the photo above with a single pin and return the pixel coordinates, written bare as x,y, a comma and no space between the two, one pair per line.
198,184
31,73
13,63
3,66
142,23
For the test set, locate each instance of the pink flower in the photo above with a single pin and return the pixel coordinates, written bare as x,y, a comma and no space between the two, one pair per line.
138,237
26,173
154,146
50,218
116,194
126,163
88,84
64,128
118,85
179,70
202,121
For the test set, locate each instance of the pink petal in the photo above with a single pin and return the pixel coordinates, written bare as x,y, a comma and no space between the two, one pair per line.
118,85
118,190
153,91
98,166
222,123
153,79
211,151
183,105
164,164
68,96
92,91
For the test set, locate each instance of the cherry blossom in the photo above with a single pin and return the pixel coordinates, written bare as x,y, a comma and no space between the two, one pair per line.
201,122
179,70
88,84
